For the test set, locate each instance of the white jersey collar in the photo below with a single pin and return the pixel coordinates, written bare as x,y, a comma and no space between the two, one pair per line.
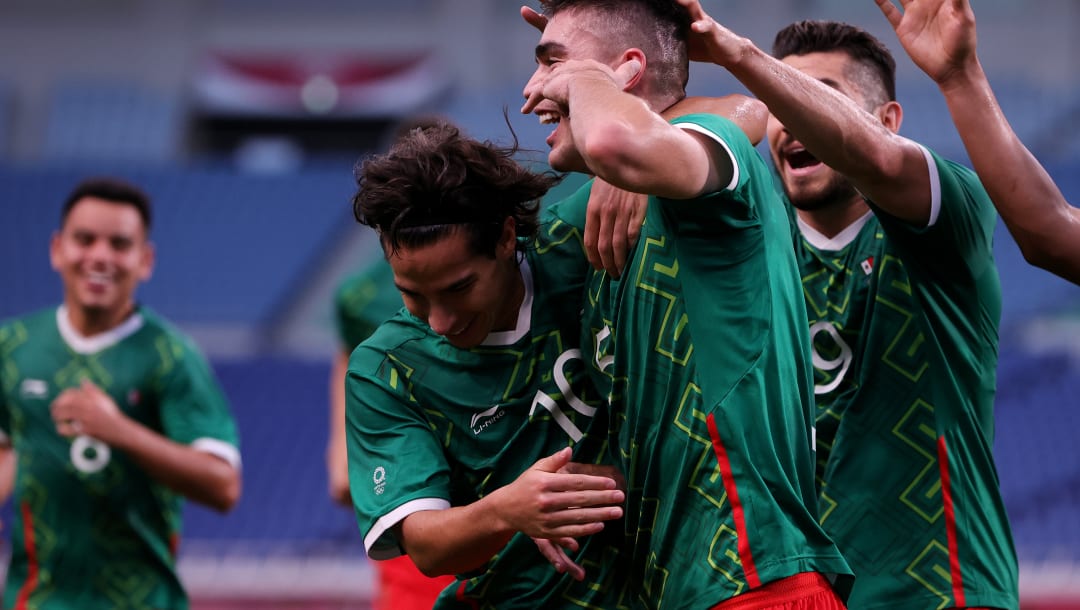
91,345
836,242
524,319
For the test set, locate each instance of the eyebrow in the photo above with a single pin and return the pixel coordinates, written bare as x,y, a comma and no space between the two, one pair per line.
546,49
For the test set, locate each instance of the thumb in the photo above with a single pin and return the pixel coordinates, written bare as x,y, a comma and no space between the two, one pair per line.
555,461
626,72
88,386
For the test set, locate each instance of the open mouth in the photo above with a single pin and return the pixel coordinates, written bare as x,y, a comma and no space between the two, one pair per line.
800,161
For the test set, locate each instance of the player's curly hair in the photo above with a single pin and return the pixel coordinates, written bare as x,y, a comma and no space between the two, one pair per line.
436,181
875,68
658,27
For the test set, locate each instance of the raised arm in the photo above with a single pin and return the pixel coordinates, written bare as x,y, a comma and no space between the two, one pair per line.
620,138
859,141
940,37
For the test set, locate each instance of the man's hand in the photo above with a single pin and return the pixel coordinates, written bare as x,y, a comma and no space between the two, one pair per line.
612,226
87,410
534,18
938,35
544,503
556,86
709,41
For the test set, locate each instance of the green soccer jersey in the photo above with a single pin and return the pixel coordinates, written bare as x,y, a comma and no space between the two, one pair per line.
363,301
432,426
91,529
704,347
904,329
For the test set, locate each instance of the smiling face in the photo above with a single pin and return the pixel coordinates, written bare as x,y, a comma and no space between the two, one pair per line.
102,254
810,184
461,295
569,34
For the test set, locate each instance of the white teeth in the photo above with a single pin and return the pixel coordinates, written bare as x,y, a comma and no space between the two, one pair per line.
547,118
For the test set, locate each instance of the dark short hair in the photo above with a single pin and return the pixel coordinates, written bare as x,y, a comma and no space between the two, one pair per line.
659,27
113,190
804,37
436,181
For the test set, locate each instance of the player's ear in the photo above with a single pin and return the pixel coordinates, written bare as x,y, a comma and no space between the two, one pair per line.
631,68
891,115
507,244
146,264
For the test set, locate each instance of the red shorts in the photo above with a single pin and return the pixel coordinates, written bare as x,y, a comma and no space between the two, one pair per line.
400,586
807,591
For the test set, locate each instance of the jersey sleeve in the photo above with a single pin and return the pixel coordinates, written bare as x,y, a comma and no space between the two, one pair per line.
958,242
194,410
396,463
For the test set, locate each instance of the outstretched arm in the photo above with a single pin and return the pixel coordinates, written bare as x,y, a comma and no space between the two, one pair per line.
858,142
541,503
940,37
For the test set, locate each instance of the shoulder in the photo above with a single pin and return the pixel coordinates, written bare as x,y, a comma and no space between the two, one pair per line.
18,329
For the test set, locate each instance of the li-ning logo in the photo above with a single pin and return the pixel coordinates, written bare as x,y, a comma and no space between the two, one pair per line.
379,478
482,420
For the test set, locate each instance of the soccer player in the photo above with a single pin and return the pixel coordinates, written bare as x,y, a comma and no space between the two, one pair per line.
113,416
939,35
701,345
459,409
362,302
903,299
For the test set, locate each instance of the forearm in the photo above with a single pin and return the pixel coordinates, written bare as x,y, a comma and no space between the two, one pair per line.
198,475
750,114
629,145
7,473
1045,226
455,540
337,460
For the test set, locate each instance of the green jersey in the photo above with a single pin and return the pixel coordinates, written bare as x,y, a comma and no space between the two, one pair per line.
365,300
92,530
904,327
432,426
703,345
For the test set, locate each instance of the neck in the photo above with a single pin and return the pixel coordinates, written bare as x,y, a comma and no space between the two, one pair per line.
91,322
830,220
516,294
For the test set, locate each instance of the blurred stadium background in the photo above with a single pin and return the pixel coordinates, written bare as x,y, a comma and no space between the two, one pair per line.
243,119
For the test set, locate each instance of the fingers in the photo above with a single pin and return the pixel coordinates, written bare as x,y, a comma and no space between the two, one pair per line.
558,558
593,222
534,18
555,461
626,71
531,101
890,11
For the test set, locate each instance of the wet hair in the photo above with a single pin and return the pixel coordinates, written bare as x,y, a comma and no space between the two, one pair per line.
436,181
658,27
113,190
875,72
